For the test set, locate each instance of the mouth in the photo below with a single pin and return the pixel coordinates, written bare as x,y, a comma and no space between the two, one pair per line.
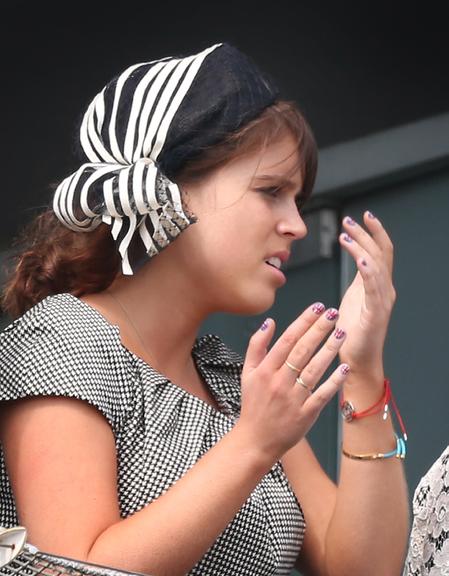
275,262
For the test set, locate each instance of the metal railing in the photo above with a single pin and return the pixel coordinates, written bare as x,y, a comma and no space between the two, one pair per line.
19,558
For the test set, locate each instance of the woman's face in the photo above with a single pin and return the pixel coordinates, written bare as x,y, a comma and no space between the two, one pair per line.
247,220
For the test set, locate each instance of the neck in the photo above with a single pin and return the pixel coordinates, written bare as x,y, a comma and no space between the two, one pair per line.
164,320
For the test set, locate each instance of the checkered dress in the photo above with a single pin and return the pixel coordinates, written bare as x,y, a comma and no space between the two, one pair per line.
64,347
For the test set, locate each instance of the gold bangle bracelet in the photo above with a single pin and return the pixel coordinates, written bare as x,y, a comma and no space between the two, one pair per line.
399,452
372,456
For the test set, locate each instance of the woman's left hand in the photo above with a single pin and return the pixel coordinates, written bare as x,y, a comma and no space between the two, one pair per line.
367,304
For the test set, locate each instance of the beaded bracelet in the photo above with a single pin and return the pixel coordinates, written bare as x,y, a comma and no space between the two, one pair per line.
399,452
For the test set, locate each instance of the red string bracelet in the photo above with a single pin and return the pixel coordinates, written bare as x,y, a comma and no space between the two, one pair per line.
349,413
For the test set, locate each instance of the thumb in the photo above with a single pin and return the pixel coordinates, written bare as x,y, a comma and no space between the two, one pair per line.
258,346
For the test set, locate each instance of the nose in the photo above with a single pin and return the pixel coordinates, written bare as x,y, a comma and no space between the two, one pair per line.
292,225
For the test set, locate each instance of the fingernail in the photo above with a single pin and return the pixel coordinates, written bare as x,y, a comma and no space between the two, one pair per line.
265,325
370,215
339,333
350,221
318,308
331,314
364,262
347,238
344,369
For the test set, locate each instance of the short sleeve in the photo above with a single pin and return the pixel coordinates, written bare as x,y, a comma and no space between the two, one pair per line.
63,347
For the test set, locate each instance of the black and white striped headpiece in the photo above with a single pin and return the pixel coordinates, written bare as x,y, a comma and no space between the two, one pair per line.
141,129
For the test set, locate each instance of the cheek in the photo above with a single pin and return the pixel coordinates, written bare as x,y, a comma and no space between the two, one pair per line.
220,227
230,233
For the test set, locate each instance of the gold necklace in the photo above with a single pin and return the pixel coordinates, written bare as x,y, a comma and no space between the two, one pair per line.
130,322
210,398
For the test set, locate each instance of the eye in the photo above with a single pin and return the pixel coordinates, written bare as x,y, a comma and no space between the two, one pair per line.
272,191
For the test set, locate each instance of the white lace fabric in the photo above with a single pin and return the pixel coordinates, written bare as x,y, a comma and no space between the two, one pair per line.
428,553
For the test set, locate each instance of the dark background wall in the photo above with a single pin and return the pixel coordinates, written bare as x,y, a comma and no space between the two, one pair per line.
354,67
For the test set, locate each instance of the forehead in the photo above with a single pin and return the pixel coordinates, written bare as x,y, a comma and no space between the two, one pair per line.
277,163
279,157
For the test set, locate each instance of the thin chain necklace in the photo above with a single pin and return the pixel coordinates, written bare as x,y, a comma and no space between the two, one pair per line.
211,400
130,322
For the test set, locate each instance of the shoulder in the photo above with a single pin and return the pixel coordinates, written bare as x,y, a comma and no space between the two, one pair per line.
60,313
61,326
63,347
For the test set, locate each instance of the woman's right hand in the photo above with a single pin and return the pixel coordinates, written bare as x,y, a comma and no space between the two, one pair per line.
277,411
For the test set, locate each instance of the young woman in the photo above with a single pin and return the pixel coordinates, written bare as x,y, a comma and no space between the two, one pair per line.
130,442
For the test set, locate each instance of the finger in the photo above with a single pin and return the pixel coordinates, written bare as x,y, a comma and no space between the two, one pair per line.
377,279
258,345
381,237
285,343
323,394
379,293
357,252
306,346
362,237
377,243
314,370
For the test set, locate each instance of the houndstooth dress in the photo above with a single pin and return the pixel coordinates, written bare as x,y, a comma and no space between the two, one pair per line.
64,347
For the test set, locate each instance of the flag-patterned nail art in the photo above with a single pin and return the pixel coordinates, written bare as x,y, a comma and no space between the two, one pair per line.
331,314
318,307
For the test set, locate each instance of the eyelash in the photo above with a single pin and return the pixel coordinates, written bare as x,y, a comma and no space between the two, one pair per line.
270,191
273,193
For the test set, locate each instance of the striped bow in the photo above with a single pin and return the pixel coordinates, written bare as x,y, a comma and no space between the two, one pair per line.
123,134
134,199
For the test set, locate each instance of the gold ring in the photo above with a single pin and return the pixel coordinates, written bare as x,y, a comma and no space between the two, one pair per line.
292,367
301,382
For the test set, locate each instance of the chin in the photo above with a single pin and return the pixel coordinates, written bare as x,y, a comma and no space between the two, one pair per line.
252,306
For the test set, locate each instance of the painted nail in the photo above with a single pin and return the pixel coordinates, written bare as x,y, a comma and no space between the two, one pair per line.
265,325
350,221
347,238
344,369
331,314
339,333
370,215
318,308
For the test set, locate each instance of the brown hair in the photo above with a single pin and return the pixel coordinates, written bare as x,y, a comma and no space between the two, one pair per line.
52,259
